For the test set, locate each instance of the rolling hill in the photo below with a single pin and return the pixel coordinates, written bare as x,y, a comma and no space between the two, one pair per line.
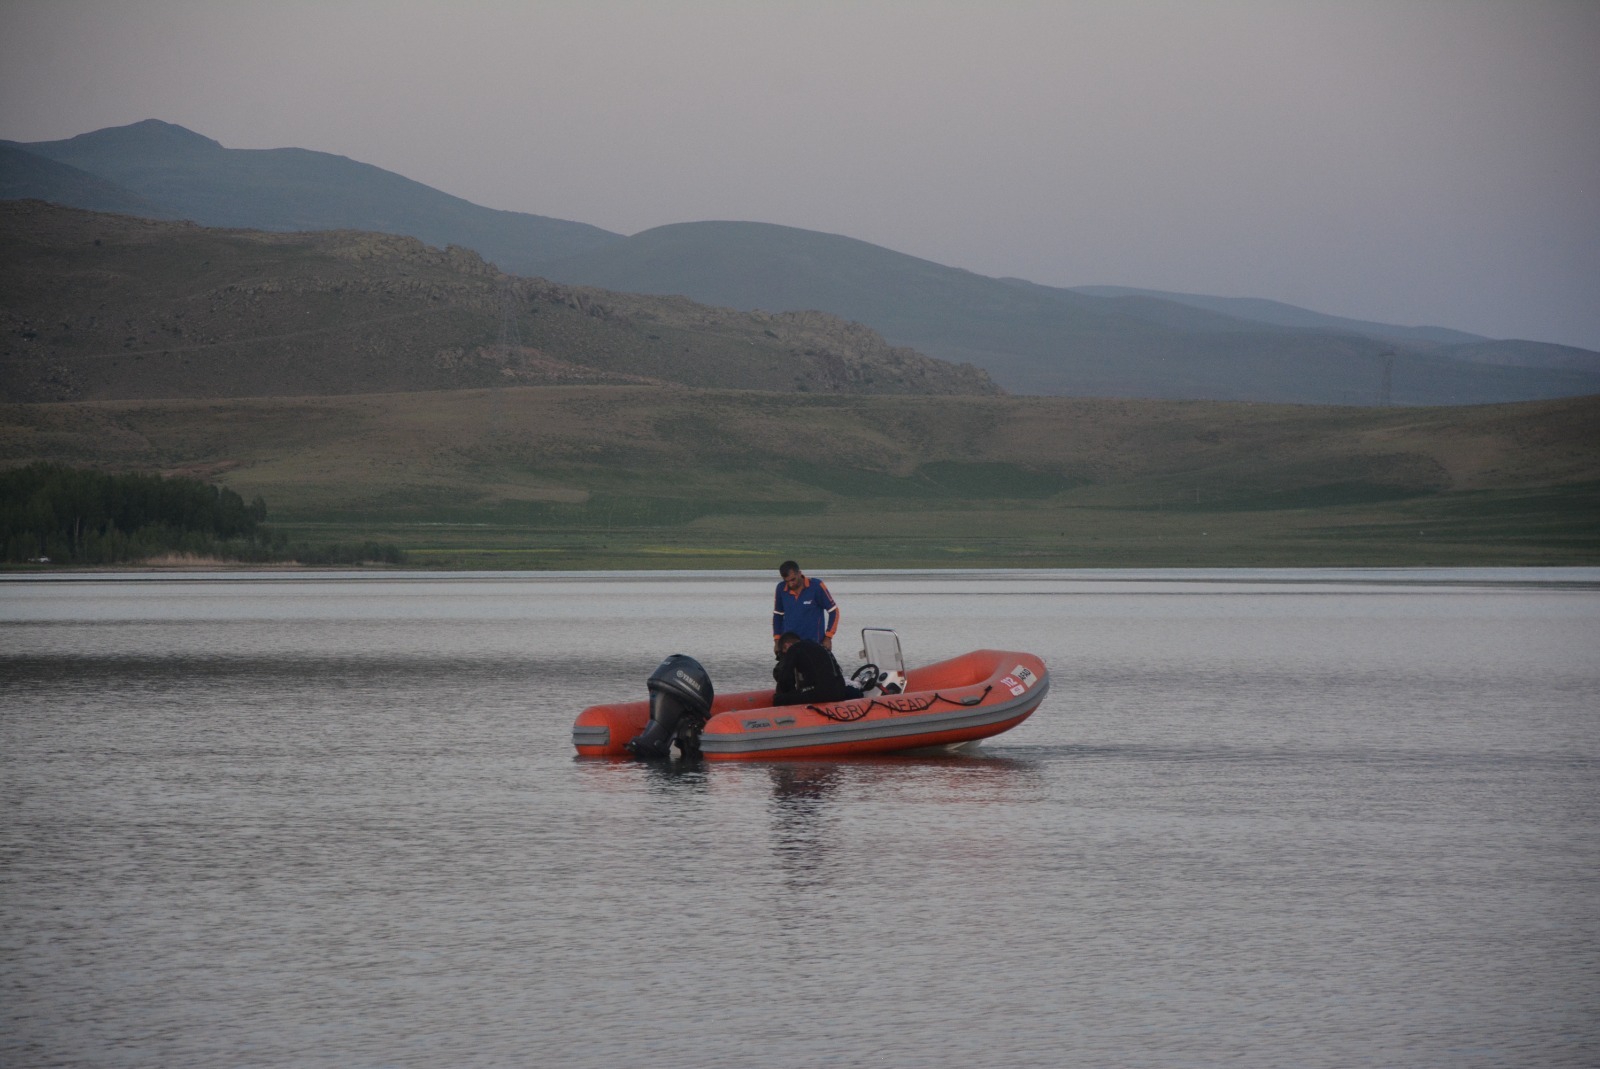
586,476
342,375
25,175
99,306
1440,341
189,176
1045,340
370,385
1095,341
1279,314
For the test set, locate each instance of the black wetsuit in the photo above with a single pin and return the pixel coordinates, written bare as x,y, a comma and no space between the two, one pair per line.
807,673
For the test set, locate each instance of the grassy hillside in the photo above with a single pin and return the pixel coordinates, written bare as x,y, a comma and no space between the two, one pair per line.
1044,340
651,477
193,177
104,306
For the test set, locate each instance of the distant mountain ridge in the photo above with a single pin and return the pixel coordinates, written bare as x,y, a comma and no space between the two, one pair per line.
1045,340
1088,341
26,175
1277,313
193,177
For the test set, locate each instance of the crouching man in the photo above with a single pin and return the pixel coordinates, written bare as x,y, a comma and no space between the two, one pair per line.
807,674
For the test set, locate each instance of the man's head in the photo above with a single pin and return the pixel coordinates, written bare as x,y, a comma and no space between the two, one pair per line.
793,577
787,639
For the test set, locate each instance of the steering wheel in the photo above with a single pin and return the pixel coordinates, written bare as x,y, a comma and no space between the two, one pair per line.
866,677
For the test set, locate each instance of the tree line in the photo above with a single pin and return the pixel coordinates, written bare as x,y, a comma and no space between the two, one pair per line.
52,513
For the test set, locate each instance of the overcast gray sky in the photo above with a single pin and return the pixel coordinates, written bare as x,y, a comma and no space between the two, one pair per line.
1425,161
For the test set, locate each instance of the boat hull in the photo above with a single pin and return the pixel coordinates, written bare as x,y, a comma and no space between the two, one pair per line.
964,699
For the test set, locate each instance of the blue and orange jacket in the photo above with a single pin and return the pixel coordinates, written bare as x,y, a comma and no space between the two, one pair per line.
810,614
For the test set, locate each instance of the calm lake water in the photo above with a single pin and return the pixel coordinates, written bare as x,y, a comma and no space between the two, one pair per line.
1265,818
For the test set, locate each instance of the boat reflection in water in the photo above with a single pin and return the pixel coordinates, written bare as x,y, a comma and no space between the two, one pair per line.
812,821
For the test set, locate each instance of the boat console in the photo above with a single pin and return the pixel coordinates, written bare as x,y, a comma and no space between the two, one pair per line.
885,670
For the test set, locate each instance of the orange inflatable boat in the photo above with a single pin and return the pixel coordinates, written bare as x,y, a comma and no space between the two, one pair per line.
945,704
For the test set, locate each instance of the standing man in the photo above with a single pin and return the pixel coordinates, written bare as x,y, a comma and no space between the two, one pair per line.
803,606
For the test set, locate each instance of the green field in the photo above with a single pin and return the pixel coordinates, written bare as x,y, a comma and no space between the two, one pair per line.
639,477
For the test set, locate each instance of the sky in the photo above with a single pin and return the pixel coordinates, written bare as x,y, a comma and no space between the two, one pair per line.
1422,162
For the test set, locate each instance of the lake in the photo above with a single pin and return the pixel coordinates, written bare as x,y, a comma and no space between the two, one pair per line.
1264,818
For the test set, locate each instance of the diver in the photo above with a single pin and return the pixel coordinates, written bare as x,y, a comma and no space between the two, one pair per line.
806,673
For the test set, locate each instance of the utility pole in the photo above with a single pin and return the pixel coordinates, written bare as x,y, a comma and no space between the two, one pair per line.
507,347
510,332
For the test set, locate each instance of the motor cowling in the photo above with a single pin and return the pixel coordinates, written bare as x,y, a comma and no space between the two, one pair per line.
680,704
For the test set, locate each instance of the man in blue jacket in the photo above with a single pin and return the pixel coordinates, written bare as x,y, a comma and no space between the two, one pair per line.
803,606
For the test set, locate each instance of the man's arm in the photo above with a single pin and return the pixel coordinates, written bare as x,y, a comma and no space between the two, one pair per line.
830,614
777,614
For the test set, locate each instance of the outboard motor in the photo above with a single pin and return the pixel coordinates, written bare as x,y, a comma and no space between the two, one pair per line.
680,705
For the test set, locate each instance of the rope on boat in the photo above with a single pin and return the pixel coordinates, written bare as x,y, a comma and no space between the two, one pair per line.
852,711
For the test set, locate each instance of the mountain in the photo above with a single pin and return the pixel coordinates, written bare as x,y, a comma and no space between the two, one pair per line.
107,307
1258,310
25,175
192,177
1536,354
1441,341
1094,341
1045,340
